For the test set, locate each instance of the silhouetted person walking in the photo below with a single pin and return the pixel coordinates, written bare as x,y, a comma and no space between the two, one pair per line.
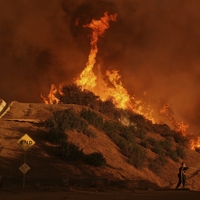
182,175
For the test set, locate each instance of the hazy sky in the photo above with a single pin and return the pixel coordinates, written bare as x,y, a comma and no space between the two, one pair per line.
154,44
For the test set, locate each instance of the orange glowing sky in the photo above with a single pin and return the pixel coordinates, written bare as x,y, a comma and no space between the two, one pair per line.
153,44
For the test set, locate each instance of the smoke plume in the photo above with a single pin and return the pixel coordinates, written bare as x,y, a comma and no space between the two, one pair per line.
154,44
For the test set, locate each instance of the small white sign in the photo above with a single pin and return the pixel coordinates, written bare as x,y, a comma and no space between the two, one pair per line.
25,142
24,168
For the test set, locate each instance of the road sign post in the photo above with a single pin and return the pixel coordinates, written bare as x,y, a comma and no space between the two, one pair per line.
24,168
25,142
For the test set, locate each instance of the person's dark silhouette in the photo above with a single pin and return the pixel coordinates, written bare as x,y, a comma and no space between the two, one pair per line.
182,175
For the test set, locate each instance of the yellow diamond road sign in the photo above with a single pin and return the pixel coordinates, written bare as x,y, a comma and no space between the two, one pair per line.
24,168
25,142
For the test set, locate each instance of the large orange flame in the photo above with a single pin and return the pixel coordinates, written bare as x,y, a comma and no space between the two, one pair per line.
113,88
87,79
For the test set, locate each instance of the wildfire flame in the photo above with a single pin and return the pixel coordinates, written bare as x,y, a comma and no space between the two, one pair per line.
195,144
52,99
178,126
87,79
113,88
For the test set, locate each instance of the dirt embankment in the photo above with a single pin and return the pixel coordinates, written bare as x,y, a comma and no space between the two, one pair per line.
27,118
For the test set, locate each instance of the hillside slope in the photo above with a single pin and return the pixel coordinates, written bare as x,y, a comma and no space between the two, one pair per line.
21,118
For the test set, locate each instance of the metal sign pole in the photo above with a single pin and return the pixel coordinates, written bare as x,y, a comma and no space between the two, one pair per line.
25,142
24,177
24,156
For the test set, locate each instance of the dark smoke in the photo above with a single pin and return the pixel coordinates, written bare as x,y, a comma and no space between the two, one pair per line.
154,44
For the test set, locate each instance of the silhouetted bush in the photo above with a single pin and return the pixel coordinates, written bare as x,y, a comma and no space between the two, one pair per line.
108,108
181,140
57,136
127,132
69,152
138,119
197,149
145,144
73,94
158,148
162,129
180,152
113,130
61,121
92,117
124,138
151,141
140,133
173,155
111,127
166,144
137,156
124,145
96,159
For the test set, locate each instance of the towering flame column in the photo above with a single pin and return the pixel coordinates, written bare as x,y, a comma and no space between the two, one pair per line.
87,79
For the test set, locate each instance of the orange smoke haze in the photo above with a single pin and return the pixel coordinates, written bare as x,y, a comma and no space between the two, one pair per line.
153,45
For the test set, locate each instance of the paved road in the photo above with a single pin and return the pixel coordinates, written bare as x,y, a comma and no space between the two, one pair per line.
104,195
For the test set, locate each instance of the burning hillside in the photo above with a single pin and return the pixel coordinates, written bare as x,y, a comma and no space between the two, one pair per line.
141,58
109,85
145,55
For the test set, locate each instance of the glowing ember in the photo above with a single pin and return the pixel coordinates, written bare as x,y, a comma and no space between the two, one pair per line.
195,144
